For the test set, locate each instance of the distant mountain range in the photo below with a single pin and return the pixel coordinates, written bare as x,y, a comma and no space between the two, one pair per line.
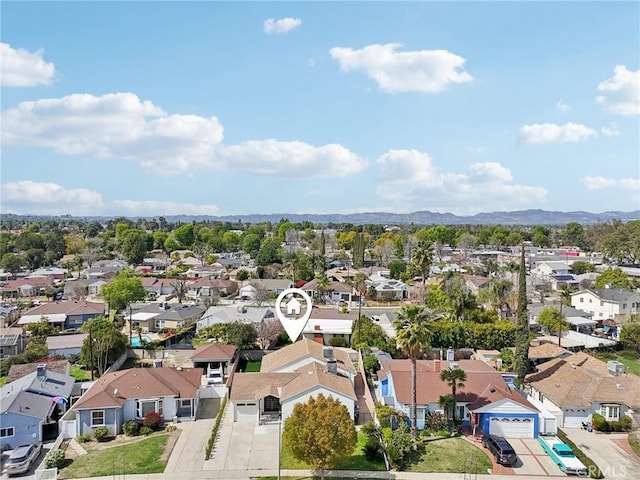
521,217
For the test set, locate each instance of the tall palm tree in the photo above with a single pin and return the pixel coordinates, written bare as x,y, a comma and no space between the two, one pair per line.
413,338
423,258
455,378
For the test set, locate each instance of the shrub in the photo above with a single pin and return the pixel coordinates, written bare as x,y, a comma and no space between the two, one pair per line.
338,342
372,450
629,354
443,432
615,426
170,428
626,422
131,428
145,431
101,433
84,438
54,458
152,420
436,421
600,423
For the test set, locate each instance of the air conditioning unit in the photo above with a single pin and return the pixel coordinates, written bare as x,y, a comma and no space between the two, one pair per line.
615,368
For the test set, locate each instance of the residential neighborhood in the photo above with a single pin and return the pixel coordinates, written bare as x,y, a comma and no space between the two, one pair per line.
103,350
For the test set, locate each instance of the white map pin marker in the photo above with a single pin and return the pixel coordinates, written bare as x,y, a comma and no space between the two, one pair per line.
293,325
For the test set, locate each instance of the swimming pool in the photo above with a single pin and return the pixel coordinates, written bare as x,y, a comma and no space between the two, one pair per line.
135,340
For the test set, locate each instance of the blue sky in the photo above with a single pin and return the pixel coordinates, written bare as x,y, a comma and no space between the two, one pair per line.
229,108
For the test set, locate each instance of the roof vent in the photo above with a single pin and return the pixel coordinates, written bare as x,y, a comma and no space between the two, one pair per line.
332,366
327,352
492,390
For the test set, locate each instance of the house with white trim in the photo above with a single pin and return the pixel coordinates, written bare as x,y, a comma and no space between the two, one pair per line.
607,303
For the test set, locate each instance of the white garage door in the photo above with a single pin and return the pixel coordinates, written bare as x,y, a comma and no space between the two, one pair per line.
511,427
246,412
573,417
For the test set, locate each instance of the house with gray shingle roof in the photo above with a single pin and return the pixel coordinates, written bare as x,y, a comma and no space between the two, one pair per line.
26,417
292,375
65,314
607,303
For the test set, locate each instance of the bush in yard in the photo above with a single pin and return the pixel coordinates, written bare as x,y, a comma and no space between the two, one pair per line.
101,433
436,421
152,420
146,431
54,458
626,422
170,428
338,342
600,423
84,438
131,428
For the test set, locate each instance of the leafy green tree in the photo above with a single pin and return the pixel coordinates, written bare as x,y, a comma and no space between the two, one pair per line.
412,336
242,275
242,335
498,293
396,269
573,235
251,243
630,334
185,235
104,344
521,361
581,267
367,333
614,277
359,243
41,330
454,378
553,320
135,245
231,241
623,244
125,289
12,263
541,237
320,433
269,253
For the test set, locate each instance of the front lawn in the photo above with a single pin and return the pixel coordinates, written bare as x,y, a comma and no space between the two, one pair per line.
449,455
357,461
144,456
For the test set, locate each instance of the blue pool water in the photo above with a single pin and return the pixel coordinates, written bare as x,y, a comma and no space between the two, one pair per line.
135,340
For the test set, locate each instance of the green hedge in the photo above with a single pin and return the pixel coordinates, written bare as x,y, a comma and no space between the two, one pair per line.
214,430
594,470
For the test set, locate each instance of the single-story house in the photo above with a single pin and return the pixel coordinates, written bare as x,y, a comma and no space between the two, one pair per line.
64,314
158,286
209,287
17,371
157,316
26,287
291,375
327,323
26,417
485,396
271,287
118,397
333,292
234,313
575,387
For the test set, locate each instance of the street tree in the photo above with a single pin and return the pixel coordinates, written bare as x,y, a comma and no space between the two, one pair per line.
413,337
320,433
125,289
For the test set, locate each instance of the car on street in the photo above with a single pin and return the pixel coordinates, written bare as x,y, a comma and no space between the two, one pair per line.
22,458
501,449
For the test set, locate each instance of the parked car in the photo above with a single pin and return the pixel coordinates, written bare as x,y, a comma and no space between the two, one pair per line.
501,449
22,458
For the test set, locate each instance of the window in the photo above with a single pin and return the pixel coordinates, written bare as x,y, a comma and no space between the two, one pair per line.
602,303
160,323
540,397
97,418
143,407
624,306
610,412
185,403
581,300
7,432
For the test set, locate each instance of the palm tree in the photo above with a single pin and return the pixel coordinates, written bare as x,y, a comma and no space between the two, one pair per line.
448,403
423,258
455,378
413,338
498,293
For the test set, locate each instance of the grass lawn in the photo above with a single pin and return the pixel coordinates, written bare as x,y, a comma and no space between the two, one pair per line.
79,374
357,461
633,441
252,366
631,365
450,455
140,457
3,380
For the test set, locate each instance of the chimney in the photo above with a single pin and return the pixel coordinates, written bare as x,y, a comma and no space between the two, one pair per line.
436,365
450,355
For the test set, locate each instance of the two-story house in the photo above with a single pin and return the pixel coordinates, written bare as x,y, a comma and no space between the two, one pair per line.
607,303
64,314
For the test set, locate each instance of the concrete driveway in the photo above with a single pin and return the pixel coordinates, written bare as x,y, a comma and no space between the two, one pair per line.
609,451
532,460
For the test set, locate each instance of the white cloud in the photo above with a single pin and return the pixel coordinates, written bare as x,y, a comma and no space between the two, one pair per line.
410,179
271,26
394,72
122,127
563,107
27,197
598,183
22,68
621,93
49,199
540,133
610,131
